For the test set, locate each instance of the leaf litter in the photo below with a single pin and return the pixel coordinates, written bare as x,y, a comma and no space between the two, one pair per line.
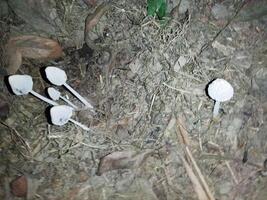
153,136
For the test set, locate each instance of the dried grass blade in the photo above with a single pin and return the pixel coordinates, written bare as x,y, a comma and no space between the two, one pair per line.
196,184
184,139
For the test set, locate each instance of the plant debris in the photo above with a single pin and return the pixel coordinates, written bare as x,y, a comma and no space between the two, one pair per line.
152,132
29,46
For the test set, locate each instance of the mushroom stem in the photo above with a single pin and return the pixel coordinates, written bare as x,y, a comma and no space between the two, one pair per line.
78,96
216,108
68,102
79,124
43,98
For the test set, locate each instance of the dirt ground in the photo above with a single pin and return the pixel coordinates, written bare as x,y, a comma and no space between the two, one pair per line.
152,134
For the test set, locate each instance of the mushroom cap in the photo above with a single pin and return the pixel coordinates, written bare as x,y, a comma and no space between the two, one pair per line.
55,75
61,114
53,93
20,84
220,90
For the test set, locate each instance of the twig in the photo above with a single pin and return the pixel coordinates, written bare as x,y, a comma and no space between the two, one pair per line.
201,177
15,133
230,170
196,184
176,89
206,45
185,141
216,146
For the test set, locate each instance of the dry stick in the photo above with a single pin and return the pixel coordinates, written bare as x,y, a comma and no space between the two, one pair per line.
205,46
230,169
202,195
226,162
17,136
185,141
201,177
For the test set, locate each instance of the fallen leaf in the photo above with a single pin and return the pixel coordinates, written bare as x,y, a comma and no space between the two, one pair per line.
92,20
122,160
19,186
29,46
14,60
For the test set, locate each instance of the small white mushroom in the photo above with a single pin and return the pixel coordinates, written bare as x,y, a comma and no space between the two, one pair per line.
220,91
58,77
55,95
22,84
61,114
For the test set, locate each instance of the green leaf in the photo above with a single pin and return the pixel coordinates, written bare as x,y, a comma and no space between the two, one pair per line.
162,10
151,7
156,8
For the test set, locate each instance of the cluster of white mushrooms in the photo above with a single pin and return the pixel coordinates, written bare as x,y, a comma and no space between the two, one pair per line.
60,114
219,90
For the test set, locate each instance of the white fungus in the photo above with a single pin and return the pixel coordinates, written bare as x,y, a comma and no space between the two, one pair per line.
220,91
58,77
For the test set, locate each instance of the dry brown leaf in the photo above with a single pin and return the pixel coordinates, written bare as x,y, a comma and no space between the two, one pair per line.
19,186
92,20
122,160
14,60
29,46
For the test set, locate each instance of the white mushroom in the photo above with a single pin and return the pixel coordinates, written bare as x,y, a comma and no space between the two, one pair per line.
55,95
58,77
220,91
22,84
61,114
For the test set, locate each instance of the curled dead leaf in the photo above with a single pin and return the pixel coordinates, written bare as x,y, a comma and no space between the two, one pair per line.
24,186
122,160
19,186
29,46
91,21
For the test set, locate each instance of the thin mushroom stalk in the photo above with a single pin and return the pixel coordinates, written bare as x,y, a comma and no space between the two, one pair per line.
80,125
68,102
55,95
60,115
83,100
23,84
53,103
58,77
216,108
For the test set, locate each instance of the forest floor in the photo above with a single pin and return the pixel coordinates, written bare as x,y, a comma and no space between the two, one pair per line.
152,134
